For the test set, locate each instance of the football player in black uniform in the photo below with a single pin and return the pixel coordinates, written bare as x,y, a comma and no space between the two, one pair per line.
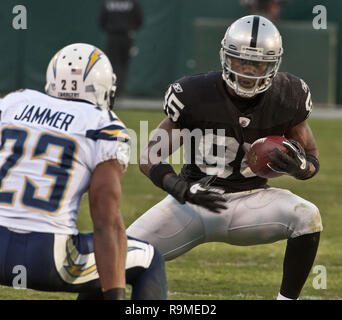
217,197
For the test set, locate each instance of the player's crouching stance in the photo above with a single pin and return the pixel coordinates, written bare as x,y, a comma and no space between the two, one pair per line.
54,147
248,100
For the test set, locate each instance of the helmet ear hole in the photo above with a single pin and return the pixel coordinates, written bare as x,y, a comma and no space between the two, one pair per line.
112,92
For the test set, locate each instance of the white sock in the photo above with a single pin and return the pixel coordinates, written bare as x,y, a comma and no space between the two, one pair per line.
281,297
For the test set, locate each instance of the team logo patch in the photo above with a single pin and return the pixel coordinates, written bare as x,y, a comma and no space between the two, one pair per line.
72,266
244,122
112,132
178,88
78,265
117,134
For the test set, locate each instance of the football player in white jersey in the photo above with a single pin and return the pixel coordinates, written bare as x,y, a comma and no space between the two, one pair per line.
54,148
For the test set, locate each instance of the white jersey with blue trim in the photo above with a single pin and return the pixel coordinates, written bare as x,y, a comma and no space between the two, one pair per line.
48,151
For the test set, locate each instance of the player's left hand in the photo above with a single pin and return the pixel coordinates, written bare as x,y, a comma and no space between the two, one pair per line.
296,166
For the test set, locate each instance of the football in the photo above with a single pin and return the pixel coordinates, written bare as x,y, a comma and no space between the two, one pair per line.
258,155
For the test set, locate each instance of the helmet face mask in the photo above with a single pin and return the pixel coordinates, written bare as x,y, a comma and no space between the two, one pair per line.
250,55
111,94
82,72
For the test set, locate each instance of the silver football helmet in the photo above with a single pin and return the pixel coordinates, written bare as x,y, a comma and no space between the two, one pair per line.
255,40
81,71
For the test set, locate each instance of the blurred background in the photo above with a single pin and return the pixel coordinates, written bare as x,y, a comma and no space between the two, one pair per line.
176,38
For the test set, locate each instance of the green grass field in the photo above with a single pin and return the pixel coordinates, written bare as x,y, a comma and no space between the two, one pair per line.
224,272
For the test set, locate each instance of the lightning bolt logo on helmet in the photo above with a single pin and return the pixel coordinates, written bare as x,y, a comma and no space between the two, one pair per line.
94,56
55,63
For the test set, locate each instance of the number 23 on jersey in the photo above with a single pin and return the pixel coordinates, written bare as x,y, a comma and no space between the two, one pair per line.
12,151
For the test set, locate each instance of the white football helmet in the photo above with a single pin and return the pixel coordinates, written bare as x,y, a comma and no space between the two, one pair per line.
252,38
81,71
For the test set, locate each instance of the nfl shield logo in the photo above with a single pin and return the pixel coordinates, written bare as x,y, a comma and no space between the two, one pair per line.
244,122
178,88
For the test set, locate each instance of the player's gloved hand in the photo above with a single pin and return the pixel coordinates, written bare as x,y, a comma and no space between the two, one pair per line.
199,193
196,193
296,166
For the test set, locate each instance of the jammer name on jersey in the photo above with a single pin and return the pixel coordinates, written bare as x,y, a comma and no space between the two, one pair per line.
59,120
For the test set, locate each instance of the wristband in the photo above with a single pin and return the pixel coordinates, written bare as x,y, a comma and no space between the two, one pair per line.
158,172
177,187
114,294
311,158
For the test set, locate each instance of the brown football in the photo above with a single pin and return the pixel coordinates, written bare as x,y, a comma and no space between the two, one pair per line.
258,155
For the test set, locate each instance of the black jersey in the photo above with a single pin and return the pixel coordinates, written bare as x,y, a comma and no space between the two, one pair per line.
230,125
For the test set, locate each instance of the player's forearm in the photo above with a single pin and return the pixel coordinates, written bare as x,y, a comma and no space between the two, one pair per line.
148,160
145,161
166,140
110,244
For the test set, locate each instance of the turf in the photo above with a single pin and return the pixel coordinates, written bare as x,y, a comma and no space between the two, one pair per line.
224,272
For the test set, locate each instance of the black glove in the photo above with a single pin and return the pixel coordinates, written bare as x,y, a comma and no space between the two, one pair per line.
296,166
196,193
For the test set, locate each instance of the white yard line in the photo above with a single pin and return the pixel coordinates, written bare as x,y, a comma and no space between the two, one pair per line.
213,295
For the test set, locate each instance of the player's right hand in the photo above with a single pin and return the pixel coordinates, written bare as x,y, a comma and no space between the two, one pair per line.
197,193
